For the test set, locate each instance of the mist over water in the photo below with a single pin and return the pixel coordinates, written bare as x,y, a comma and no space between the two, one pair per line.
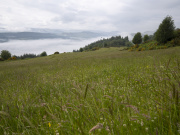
20,47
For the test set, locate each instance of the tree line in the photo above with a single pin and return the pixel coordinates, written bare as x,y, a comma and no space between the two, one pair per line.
6,55
114,41
165,32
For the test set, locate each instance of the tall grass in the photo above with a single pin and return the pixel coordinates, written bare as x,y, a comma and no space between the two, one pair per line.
103,92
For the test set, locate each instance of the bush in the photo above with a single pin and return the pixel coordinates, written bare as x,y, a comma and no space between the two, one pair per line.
95,48
43,54
151,48
177,33
143,49
164,47
56,53
1,59
136,46
81,49
12,58
5,54
176,42
139,49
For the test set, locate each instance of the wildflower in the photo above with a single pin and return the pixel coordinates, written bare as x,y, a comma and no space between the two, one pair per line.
57,133
124,125
49,124
107,128
146,128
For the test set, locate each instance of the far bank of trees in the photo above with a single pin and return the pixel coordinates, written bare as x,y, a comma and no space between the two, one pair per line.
6,55
115,41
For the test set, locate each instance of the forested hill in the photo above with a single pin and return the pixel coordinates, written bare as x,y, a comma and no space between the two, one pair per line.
117,41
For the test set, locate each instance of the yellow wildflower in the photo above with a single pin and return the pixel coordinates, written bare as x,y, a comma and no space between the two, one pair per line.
49,124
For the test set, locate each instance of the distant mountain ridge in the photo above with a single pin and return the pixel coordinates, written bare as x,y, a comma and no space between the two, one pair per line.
6,36
40,33
35,34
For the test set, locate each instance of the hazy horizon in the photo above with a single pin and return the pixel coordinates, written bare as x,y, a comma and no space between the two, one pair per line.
20,47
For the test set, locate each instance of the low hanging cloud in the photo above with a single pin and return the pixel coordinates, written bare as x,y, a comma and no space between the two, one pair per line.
102,15
20,47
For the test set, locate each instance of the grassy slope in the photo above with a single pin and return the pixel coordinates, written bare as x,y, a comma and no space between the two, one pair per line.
127,92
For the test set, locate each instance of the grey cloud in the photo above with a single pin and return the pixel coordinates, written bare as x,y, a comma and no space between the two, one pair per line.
129,15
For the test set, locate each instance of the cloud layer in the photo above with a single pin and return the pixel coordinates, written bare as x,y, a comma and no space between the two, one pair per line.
102,15
20,47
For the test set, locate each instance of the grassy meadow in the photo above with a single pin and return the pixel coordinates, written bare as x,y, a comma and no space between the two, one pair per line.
108,92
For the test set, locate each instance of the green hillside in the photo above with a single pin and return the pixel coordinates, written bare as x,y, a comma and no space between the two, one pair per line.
114,41
107,91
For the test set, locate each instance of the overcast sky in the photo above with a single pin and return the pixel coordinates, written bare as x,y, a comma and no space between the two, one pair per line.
101,15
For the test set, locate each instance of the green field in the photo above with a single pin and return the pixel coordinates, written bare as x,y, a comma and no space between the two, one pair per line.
107,91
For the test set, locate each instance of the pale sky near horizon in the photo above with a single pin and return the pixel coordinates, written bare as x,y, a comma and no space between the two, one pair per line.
91,15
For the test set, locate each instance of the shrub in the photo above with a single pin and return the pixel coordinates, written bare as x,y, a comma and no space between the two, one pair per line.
177,33
143,49
164,47
136,46
12,58
56,52
95,48
139,49
151,48
43,54
176,42
1,59
5,54
81,49
170,43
